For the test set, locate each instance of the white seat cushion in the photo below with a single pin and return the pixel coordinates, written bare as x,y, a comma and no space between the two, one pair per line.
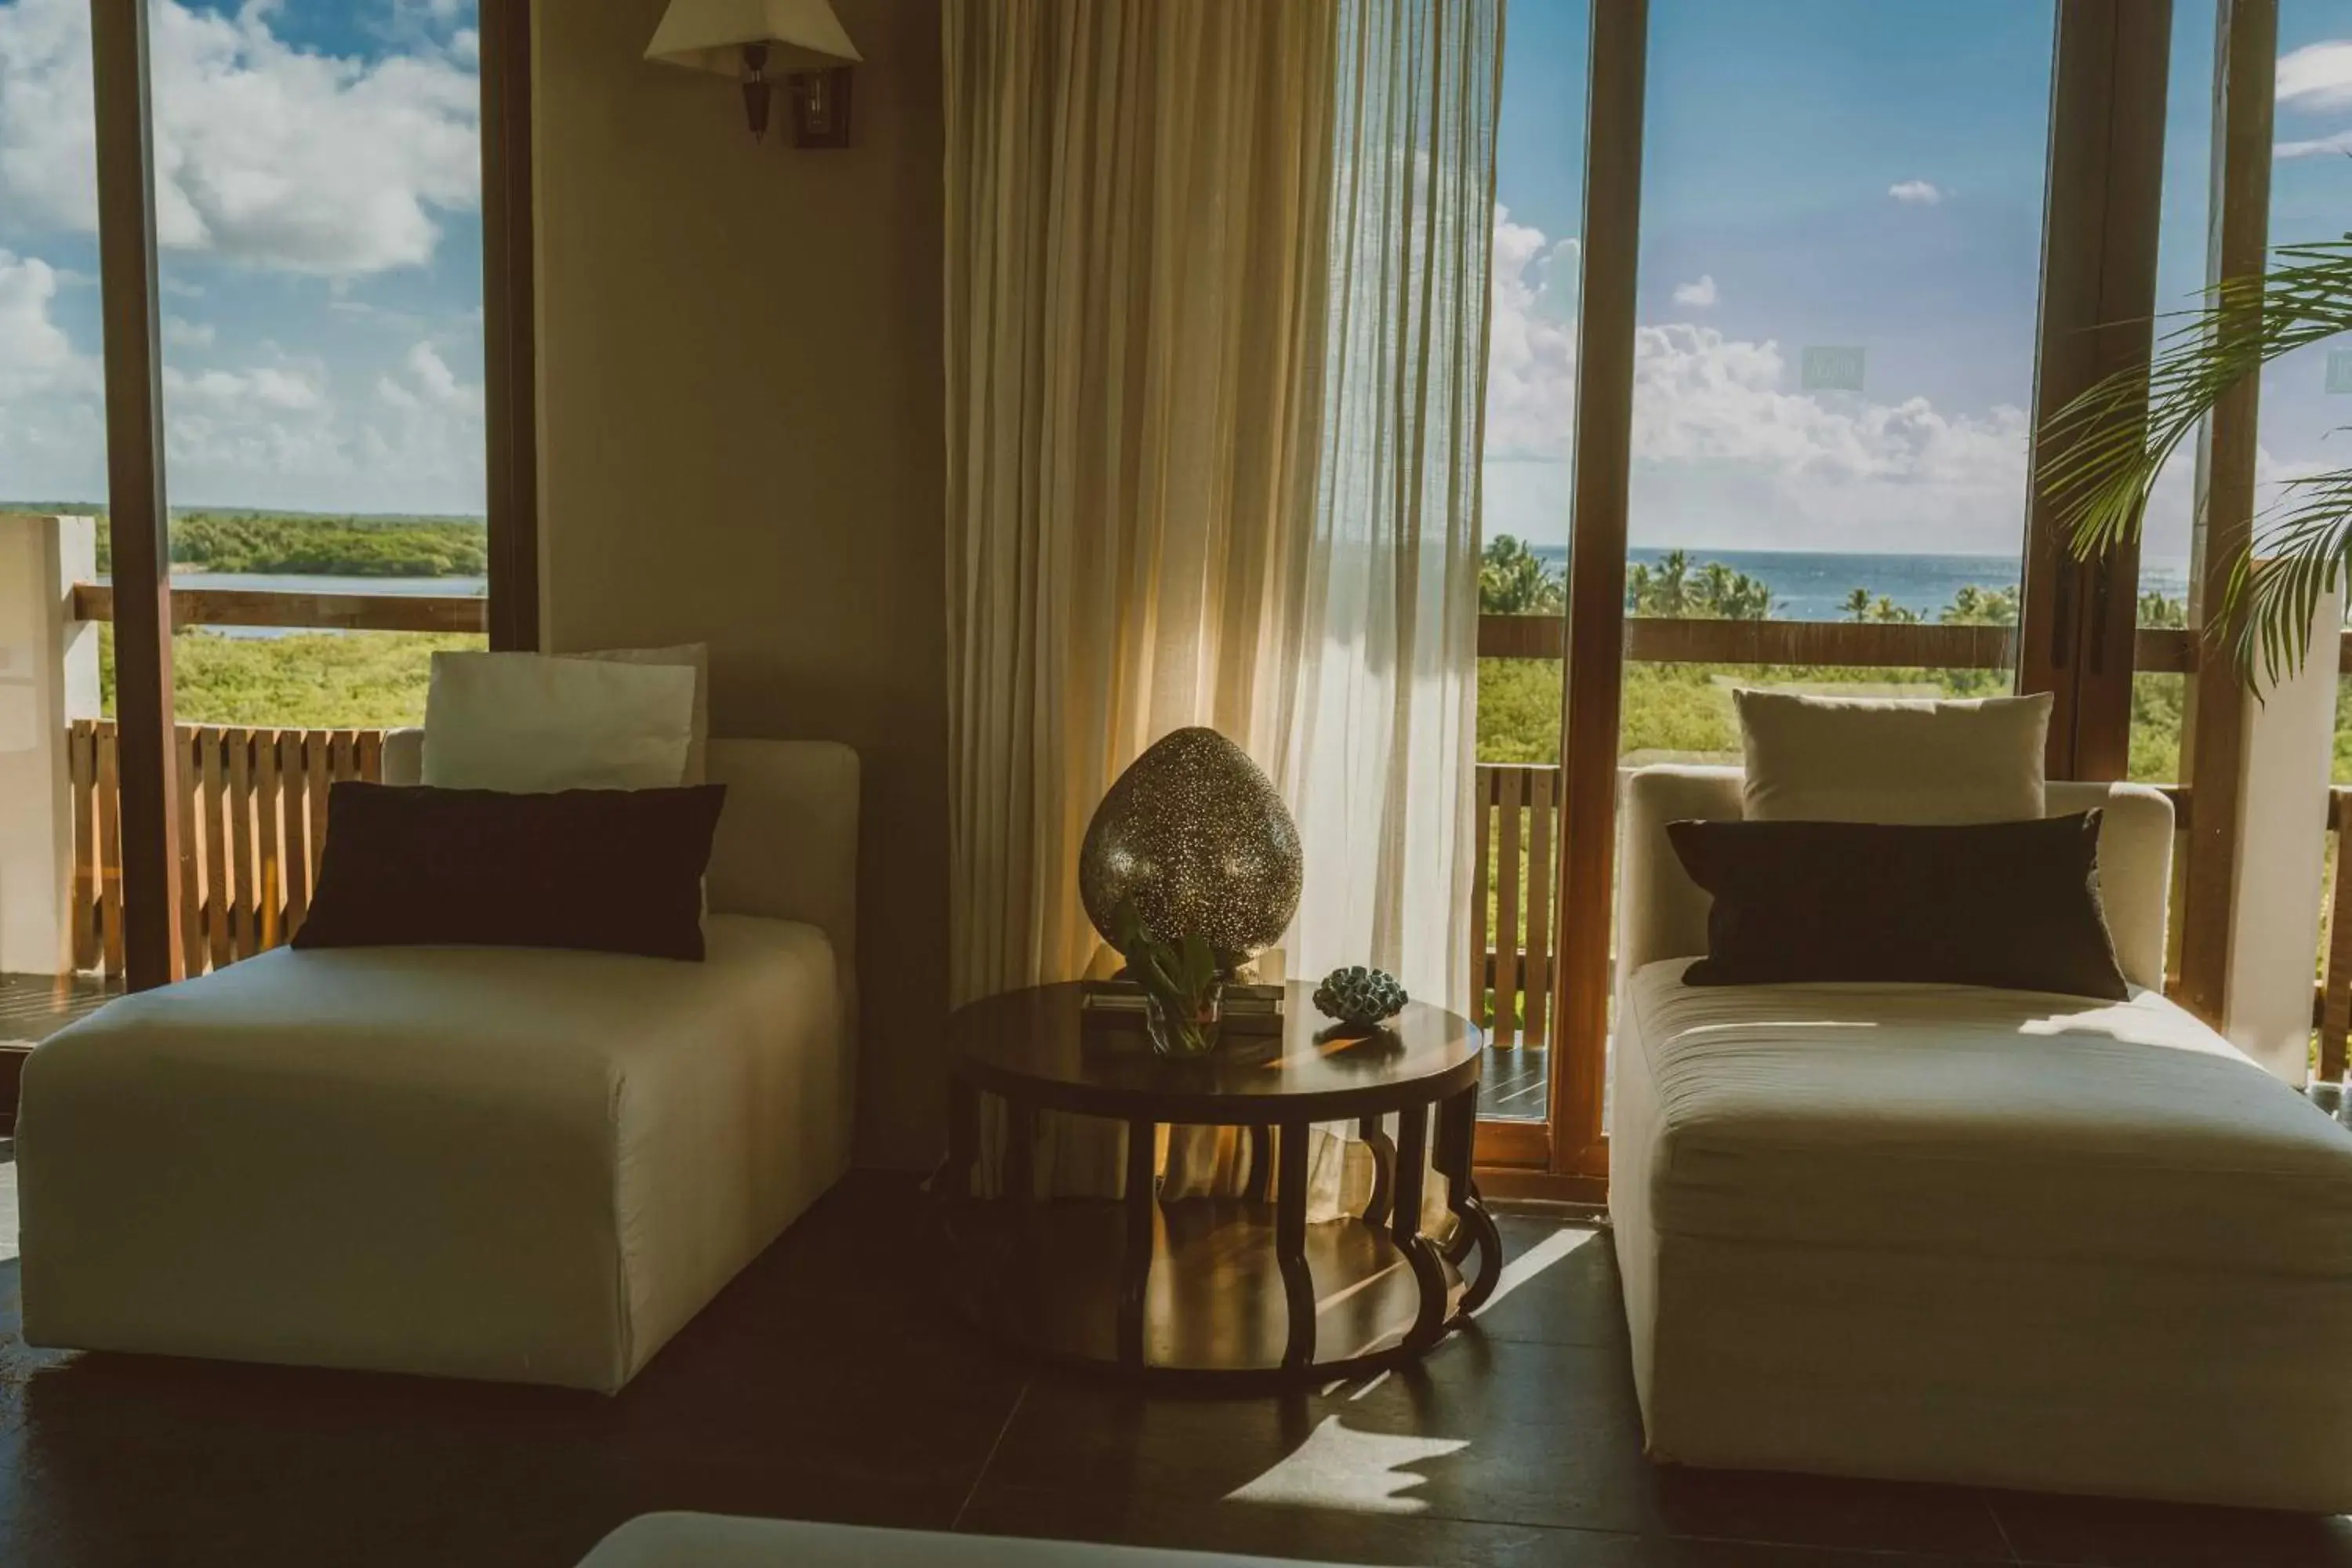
511,1164
1994,1123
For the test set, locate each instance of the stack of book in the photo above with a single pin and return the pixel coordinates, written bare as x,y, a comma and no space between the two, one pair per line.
1245,1010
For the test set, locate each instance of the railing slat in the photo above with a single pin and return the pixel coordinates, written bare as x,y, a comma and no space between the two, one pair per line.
1482,793
110,853
243,927
1507,906
297,813
189,763
1538,980
270,887
2336,992
81,768
314,770
218,893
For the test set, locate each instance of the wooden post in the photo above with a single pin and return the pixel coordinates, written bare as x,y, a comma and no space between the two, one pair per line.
138,520
1591,685
510,348
2213,728
2101,212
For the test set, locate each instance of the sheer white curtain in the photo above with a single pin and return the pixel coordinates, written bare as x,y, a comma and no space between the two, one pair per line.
1217,283
1380,760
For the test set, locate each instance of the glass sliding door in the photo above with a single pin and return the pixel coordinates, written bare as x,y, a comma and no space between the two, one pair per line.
322,280
1530,425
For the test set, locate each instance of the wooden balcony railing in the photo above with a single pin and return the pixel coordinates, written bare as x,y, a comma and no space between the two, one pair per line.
328,612
253,815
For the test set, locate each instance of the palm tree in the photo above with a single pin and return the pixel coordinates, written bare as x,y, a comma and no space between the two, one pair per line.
2106,459
1513,581
1857,605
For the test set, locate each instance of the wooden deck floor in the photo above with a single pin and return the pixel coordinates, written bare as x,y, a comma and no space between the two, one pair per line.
35,1006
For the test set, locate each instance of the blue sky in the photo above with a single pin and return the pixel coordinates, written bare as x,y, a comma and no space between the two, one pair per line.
1848,173
1841,172
321,261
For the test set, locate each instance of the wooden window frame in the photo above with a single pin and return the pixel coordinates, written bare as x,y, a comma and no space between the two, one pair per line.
2078,634
139,519
2214,718
2102,210
509,328
138,523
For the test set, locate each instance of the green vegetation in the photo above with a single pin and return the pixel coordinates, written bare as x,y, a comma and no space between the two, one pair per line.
312,680
1683,711
325,546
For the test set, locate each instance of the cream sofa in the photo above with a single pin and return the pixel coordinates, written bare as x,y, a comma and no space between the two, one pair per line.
1995,1237
507,1164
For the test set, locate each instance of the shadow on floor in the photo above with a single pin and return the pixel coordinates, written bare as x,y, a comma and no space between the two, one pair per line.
828,1382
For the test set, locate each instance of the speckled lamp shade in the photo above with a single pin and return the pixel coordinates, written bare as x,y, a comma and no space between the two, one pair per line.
1195,836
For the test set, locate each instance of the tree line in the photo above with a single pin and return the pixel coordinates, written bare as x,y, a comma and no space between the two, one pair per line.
323,546
1513,580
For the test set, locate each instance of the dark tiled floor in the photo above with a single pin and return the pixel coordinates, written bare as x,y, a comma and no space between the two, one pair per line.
827,1382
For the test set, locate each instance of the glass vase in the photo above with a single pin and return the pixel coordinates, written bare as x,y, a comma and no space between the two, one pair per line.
1178,1031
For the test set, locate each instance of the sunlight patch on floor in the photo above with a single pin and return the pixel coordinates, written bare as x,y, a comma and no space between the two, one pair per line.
1517,1271
1359,1472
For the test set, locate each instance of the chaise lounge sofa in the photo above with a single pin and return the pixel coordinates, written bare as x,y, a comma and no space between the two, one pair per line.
1947,1234
518,1165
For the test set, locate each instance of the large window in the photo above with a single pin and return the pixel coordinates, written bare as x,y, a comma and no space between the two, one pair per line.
2306,397
1840,261
52,410
318,232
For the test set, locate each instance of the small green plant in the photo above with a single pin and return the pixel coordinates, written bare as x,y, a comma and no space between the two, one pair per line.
1181,979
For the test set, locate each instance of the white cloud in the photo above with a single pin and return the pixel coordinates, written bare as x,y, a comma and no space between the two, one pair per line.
1727,450
2340,143
36,355
179,332
1915,192
2316,75
1700,295
265,153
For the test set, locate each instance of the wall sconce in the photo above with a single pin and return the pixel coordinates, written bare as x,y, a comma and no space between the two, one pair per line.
801,41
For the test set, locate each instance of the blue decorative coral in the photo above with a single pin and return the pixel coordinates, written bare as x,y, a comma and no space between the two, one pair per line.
1355,994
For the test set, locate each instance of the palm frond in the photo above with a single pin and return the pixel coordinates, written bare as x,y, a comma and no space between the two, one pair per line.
2106,448
2300,555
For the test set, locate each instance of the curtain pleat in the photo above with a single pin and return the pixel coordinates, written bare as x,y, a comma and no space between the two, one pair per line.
1216,306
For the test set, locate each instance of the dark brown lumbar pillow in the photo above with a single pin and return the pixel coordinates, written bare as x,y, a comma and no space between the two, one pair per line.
606,870
2009,904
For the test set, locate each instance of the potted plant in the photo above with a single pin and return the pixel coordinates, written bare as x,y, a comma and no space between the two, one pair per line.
1183,989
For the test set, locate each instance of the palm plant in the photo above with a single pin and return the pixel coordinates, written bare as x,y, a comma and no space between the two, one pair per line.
2106,459
1513,581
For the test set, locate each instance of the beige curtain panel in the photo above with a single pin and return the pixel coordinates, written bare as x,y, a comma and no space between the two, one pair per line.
1215,296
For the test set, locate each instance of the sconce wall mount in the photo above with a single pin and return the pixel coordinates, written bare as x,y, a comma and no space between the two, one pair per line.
760,42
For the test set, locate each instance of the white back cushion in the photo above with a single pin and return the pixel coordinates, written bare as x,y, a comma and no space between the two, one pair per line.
527,724
1662,914
1845,759
694,655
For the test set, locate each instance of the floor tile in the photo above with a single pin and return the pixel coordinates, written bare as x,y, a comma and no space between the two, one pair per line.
2101,1532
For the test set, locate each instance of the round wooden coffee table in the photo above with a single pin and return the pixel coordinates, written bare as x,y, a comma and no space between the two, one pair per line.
1230,1288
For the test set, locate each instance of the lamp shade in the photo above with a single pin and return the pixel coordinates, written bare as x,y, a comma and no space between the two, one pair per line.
711,34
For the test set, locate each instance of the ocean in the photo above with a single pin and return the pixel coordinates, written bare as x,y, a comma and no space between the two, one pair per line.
1813,585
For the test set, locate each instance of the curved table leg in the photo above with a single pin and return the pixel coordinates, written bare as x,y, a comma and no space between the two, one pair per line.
1383,1200
1261,1171
1473,1227
1290,1246
1413,1158
1143,1203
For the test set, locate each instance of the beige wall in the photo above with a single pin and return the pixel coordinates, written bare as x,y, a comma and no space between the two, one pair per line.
739,393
